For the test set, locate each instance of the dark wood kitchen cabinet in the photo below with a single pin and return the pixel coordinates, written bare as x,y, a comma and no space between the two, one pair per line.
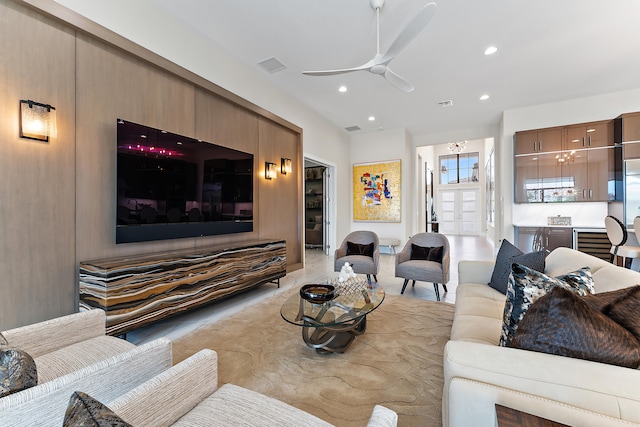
535,175
530,239
630,127
591,172
538,141
627,132
588,135
574,163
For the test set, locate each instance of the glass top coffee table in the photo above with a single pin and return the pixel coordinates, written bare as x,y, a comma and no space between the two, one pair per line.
331,327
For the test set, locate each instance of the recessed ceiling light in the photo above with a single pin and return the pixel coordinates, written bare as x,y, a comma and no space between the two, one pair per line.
484,97
371,118
490,50
342,89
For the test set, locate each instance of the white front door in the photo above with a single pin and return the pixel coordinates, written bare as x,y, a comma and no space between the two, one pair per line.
459,211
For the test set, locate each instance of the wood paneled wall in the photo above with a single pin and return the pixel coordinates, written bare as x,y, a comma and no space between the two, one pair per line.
58,199
37,179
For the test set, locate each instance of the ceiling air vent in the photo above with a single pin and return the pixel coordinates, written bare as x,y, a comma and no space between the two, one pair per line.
447,103
272,65
352,128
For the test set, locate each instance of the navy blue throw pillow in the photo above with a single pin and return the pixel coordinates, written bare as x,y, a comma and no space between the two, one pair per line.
509,254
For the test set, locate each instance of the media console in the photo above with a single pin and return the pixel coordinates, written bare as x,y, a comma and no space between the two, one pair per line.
138,290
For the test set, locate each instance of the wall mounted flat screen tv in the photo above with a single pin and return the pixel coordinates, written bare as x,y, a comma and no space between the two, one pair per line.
170,186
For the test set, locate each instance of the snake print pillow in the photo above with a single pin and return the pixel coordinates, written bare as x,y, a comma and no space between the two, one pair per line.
17,371
526,285
85,411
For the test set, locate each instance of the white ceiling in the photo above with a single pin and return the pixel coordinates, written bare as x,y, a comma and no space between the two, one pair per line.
549,50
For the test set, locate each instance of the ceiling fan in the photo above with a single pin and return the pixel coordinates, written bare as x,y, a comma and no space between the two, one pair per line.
380,63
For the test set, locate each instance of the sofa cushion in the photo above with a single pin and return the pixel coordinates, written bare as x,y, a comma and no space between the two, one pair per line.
621,306
426,253
85,411
507,255
359,249
612,277
73,357
562,323
17,371
478,314
526,285
231,405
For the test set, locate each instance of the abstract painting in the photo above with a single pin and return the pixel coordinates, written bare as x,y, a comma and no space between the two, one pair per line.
376,191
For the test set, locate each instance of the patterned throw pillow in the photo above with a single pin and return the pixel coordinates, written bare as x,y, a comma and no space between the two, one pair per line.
85,411
17,371
358,249
526,285
507,255
563,323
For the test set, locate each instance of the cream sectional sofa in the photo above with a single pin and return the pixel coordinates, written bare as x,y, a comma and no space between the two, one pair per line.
139,383
478,373
44,405
188,395
65,344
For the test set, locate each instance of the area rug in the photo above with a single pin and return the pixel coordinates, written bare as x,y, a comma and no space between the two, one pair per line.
397,363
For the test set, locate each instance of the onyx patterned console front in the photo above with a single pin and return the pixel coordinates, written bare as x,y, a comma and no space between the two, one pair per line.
138,290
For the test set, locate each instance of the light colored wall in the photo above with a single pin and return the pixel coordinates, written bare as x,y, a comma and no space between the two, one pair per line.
422,142
55,197
472,146
147,26
37,179
387,145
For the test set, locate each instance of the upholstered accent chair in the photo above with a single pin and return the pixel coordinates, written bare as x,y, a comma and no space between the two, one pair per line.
361,249
425,258
617,234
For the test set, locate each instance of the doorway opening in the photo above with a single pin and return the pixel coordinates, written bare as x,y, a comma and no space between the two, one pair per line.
318,205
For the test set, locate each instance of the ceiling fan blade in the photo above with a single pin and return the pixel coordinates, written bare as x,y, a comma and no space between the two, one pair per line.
329,72
398,81
411,31
365,66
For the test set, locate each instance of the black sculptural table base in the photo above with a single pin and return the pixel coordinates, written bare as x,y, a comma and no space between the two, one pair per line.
331,326
333,339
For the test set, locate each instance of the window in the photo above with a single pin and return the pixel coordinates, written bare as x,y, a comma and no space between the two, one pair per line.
459,168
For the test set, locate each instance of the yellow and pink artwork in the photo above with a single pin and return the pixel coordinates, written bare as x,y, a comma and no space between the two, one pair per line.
376,191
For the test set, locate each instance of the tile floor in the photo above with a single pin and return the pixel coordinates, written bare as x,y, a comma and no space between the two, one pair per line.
318,266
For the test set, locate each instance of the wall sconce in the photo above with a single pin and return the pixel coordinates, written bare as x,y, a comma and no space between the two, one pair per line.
37,121
285,166
270,171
